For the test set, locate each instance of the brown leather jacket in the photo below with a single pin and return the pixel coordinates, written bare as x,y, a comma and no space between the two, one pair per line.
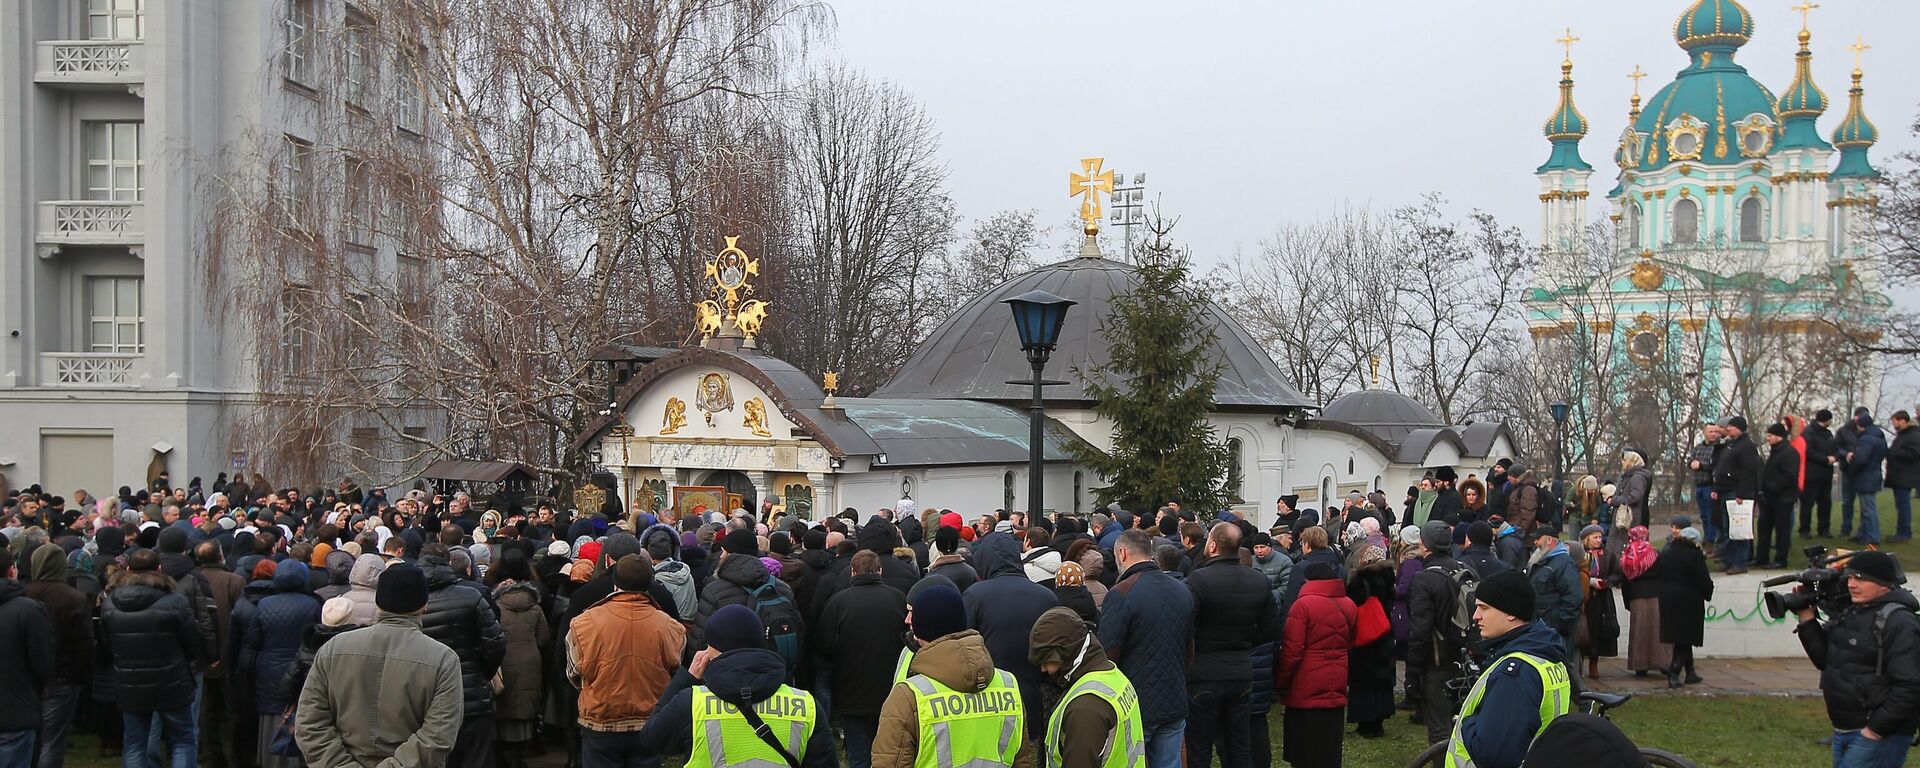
621,653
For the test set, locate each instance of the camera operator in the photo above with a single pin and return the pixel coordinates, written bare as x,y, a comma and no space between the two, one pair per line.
1869,660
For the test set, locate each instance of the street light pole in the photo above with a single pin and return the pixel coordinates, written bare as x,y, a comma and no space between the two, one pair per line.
1037,317
1560,411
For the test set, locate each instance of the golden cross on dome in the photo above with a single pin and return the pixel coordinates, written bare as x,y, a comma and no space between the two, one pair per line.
1859,47
1566,42
1636,76
1087,185
1806,9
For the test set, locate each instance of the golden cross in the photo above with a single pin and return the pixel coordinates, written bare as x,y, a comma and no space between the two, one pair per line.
1088,184
1566,42
1806,9
1636,76
1859,47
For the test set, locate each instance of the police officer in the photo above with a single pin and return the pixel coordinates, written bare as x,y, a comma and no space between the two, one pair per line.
954,708
1097,722
1869,660
731,706
1522,689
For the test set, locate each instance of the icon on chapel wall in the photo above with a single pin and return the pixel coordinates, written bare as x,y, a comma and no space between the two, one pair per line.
714,395
757,417
675,418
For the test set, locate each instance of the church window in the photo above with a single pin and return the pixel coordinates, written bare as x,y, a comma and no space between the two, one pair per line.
1006,492
1752,221
1078,486
1686,221
1634,224
1236,473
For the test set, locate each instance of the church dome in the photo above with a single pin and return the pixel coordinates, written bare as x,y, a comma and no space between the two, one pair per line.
976,352
1713,113
1390,415
1713,23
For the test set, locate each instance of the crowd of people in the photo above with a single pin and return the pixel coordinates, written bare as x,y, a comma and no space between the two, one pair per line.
243,626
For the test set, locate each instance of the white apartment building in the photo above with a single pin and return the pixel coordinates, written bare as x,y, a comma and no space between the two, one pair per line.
113,116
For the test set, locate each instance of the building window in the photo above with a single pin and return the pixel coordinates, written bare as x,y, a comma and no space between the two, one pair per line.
1752,221
300,37
1634,226
1006,492
296,181
359,223
116,19
1078,485
115,322
409,108
411,280
115,170
1236,472
1686,221
359,60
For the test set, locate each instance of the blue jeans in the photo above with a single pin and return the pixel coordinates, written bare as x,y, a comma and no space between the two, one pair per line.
1703,498
1870,517
1851,750
1903,509
856,736
1163,744
17,748
177,729
1218,712
614,750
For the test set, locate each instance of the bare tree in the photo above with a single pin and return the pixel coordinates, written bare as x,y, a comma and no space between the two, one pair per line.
1456,285
994,249
1314,297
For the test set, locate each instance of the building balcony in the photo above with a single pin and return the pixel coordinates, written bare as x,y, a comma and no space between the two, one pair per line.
88,369
91,64
90,222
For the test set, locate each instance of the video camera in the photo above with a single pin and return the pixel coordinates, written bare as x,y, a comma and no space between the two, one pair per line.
1820,586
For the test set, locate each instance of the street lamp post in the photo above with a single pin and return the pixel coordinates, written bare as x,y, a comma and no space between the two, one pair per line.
1037,317
1560,410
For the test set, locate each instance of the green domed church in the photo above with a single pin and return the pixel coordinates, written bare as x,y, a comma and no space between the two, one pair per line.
1733,267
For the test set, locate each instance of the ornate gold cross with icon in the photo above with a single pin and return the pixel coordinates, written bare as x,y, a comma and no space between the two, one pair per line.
1088,185
1636,76
729,312
1566,42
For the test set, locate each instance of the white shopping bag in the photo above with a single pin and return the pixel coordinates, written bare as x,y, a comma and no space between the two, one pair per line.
1740,520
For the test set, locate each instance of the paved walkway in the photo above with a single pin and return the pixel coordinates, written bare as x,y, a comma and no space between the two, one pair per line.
1723,677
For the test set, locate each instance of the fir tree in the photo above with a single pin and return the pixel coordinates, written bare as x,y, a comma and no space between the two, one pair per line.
1157,389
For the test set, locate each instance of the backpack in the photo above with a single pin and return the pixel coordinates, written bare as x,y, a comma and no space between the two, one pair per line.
1456,625
782,618
1880,636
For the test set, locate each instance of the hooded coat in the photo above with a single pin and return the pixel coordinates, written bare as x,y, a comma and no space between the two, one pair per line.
339,575
960,661
742,678
733,581
155,640
1312,665
274,633
527,634
1500,731
69,614
1557,589
1002,606
669,572
29,651
1087,725
461,618
362,581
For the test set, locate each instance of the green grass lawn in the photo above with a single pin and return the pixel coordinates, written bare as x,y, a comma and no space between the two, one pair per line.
1734,731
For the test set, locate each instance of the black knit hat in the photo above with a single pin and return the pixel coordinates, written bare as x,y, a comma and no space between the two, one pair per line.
1508,592
1777,429
402,589
1877,567
740,541
1737,422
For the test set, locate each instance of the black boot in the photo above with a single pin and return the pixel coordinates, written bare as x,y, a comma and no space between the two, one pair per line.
1673,677
1692,678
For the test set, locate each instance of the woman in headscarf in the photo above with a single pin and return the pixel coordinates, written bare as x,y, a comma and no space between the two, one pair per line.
1599,623
1645,652
1370,677
1070,588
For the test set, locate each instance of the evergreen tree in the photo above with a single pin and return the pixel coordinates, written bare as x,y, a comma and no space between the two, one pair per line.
1157,389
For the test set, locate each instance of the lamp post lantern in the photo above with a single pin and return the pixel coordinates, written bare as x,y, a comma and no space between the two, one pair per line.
1560,411
1037,317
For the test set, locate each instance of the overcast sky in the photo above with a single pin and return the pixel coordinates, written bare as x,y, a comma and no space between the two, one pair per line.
1248,115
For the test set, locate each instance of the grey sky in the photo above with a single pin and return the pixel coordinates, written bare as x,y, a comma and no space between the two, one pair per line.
1246,115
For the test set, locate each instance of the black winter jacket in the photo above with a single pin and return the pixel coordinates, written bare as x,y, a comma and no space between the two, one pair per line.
1233,612
1903,458
732,583
27,645
461,619
1429,609
1848,655
155,641
193,586
860,626
1780,481
1821,449
1146,627
1736,474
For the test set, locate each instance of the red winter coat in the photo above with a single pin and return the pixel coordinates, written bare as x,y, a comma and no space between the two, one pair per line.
1312,667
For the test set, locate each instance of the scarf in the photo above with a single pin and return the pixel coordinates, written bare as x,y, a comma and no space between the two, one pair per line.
1639,555
1423,506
